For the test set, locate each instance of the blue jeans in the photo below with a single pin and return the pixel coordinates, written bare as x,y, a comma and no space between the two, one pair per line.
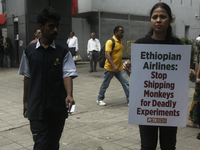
7,57
108,75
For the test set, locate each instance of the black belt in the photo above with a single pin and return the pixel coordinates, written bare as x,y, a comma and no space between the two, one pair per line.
94,51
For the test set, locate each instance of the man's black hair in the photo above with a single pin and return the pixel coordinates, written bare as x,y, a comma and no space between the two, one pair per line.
116,29
47,14
36,30
73,32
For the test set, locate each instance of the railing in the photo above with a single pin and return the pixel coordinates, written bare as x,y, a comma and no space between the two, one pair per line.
129,47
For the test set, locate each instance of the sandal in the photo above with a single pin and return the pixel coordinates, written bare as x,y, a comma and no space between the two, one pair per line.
192,125
198,136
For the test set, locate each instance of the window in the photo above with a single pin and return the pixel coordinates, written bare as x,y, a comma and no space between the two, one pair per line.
187,31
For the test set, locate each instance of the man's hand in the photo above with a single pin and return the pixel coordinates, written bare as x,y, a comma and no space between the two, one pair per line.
116,69
192,74
69,102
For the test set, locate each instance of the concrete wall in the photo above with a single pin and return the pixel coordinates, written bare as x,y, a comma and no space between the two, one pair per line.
26,11
184,12
15,10
82,30
84,6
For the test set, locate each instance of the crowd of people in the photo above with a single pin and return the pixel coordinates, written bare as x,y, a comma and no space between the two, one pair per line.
48,85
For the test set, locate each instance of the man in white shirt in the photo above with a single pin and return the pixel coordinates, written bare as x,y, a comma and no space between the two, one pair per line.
198,39
72,43
93,48
198,42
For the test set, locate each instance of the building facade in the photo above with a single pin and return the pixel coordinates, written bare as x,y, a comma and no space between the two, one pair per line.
22,21
101,16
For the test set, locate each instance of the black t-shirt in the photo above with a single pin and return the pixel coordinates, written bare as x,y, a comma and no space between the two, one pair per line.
149,40
1,47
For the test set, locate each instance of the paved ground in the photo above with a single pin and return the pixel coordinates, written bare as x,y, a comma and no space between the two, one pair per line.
91,127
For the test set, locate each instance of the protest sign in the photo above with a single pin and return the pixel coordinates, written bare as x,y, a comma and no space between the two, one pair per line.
159,84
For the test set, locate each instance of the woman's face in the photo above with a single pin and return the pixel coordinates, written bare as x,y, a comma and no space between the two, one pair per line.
160,21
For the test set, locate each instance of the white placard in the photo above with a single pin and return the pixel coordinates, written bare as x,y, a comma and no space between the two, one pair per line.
159,84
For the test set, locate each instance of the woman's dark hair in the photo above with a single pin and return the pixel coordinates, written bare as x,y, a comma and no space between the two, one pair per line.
168,10
116,29
9,41
47,14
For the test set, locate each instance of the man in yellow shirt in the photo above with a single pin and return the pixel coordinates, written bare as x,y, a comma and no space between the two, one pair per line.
113,65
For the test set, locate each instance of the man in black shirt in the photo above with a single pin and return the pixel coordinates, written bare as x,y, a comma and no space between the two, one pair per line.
48,69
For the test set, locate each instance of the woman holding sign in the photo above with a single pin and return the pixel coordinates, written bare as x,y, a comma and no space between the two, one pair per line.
160,33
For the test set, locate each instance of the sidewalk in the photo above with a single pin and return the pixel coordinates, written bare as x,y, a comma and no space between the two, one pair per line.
91,127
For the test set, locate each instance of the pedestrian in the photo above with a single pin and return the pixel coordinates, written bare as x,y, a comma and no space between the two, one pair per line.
113,65
93,48
198,42
1,51
193,76
72,43
48,70
193,116
37,34
7,51
160,33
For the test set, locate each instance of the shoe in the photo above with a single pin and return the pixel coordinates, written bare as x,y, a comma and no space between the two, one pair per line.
128,104
90,71
95,70
192,125
101,103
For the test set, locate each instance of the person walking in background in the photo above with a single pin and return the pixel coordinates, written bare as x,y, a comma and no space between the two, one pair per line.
93,48
198,42
37,34
113,65
48,70
193,108
160,33
1,51
72,43
7,51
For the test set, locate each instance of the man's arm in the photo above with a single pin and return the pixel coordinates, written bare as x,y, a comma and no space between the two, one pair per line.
88,47
68,83
76,44
26,85
99,46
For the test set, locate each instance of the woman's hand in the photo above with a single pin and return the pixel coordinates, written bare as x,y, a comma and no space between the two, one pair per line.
127,66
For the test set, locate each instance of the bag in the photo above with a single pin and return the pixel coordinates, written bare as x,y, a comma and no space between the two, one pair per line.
77,58
102,57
